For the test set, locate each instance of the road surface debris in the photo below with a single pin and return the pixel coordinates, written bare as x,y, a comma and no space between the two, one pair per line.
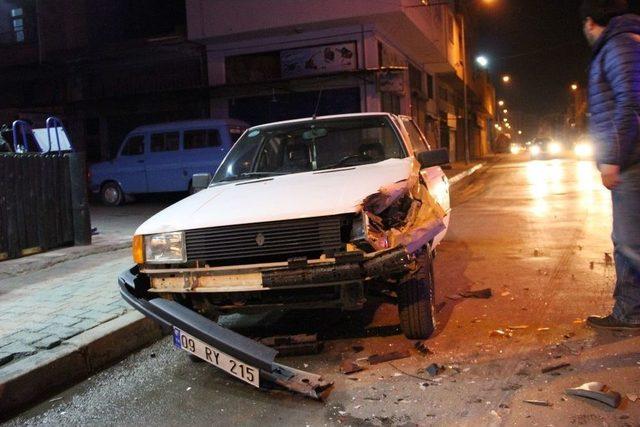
375,359
596,391
538,402
348,367
482,294
555,367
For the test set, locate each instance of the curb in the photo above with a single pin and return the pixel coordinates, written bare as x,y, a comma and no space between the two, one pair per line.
462,175
29,380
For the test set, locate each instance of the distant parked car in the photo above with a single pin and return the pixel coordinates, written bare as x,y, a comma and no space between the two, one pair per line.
163,158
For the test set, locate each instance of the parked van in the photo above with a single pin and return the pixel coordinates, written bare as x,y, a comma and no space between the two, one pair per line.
163,158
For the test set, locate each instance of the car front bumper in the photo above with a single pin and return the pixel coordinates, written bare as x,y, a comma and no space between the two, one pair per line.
134,289
345,268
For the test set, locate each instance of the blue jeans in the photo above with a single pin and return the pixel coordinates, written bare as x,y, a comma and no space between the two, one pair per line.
626,243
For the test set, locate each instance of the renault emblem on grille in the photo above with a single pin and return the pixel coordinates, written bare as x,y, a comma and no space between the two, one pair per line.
260,239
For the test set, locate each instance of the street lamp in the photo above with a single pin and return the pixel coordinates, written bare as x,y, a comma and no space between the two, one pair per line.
506,79
574,87
501,103
482,61
505,111
519,132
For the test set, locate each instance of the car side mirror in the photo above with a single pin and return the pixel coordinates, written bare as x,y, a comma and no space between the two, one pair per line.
430,158
200,181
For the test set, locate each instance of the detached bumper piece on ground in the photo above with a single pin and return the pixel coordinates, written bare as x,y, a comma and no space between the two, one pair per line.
172,315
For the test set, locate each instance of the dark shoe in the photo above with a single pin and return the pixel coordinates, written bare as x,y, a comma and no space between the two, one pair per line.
609,322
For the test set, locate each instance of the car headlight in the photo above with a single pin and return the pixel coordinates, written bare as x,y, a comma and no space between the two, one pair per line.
165,248
515,149
554,148
534,150
583,150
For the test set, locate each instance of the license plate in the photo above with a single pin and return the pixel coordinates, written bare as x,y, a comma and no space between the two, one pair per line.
217,358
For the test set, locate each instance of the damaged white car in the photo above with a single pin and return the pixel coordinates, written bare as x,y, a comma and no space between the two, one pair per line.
301,214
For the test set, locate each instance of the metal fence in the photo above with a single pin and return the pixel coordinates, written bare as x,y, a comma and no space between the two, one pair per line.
36,202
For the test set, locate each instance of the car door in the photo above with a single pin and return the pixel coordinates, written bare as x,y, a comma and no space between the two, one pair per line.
164,163
434,177
129,169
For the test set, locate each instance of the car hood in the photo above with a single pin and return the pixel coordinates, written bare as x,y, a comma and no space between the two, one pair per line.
303,195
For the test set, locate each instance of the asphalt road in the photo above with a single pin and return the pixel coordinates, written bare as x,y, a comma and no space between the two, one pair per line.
536,233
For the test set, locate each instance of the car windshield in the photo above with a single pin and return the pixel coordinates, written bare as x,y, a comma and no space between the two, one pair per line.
311,145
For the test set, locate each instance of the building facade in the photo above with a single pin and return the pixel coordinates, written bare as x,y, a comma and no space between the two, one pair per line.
102,66
107,66
276,60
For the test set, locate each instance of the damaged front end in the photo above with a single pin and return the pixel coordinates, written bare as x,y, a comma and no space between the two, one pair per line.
404,214
391,229
174,316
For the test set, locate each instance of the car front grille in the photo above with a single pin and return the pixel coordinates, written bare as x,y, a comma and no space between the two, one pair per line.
268,241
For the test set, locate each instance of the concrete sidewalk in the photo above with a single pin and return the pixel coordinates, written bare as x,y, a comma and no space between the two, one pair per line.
61,315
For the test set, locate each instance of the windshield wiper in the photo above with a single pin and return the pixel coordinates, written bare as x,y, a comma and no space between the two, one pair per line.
346,160
249,175
260,174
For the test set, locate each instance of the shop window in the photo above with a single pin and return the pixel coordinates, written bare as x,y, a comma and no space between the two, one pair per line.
430,86
390,103
17,21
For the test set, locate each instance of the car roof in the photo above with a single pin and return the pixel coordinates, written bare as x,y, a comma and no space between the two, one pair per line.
188,124
335,116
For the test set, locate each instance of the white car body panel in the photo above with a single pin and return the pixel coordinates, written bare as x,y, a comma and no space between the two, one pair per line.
302,195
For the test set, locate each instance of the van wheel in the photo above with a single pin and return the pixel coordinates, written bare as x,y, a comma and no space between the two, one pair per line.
111,194
416,299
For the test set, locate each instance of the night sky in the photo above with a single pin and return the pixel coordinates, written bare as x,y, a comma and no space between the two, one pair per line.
540,44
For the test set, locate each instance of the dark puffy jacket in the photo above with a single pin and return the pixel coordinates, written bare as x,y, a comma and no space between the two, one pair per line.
614,93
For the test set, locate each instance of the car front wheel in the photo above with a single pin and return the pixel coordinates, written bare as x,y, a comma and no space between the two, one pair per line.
416,302
111,194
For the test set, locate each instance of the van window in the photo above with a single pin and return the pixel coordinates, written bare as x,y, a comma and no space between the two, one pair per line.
169,141
134,146
203,138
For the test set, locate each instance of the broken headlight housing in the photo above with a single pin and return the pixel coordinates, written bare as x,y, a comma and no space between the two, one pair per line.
165,248
367,236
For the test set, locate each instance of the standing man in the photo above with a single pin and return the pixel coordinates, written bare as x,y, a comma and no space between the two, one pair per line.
614,104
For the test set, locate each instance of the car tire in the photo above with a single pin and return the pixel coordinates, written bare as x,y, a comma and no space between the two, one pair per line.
111,194
416,302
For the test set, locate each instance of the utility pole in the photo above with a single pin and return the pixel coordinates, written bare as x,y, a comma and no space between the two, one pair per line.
465,83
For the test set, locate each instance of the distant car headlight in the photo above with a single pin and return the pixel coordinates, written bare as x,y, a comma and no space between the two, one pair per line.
554,148
515,149
583,149
535,150
165,248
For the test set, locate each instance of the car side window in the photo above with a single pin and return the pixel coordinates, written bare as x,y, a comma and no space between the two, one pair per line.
134,146
169,141
203,138
417,140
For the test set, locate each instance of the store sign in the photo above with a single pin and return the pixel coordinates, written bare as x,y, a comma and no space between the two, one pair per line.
391,81
315,60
